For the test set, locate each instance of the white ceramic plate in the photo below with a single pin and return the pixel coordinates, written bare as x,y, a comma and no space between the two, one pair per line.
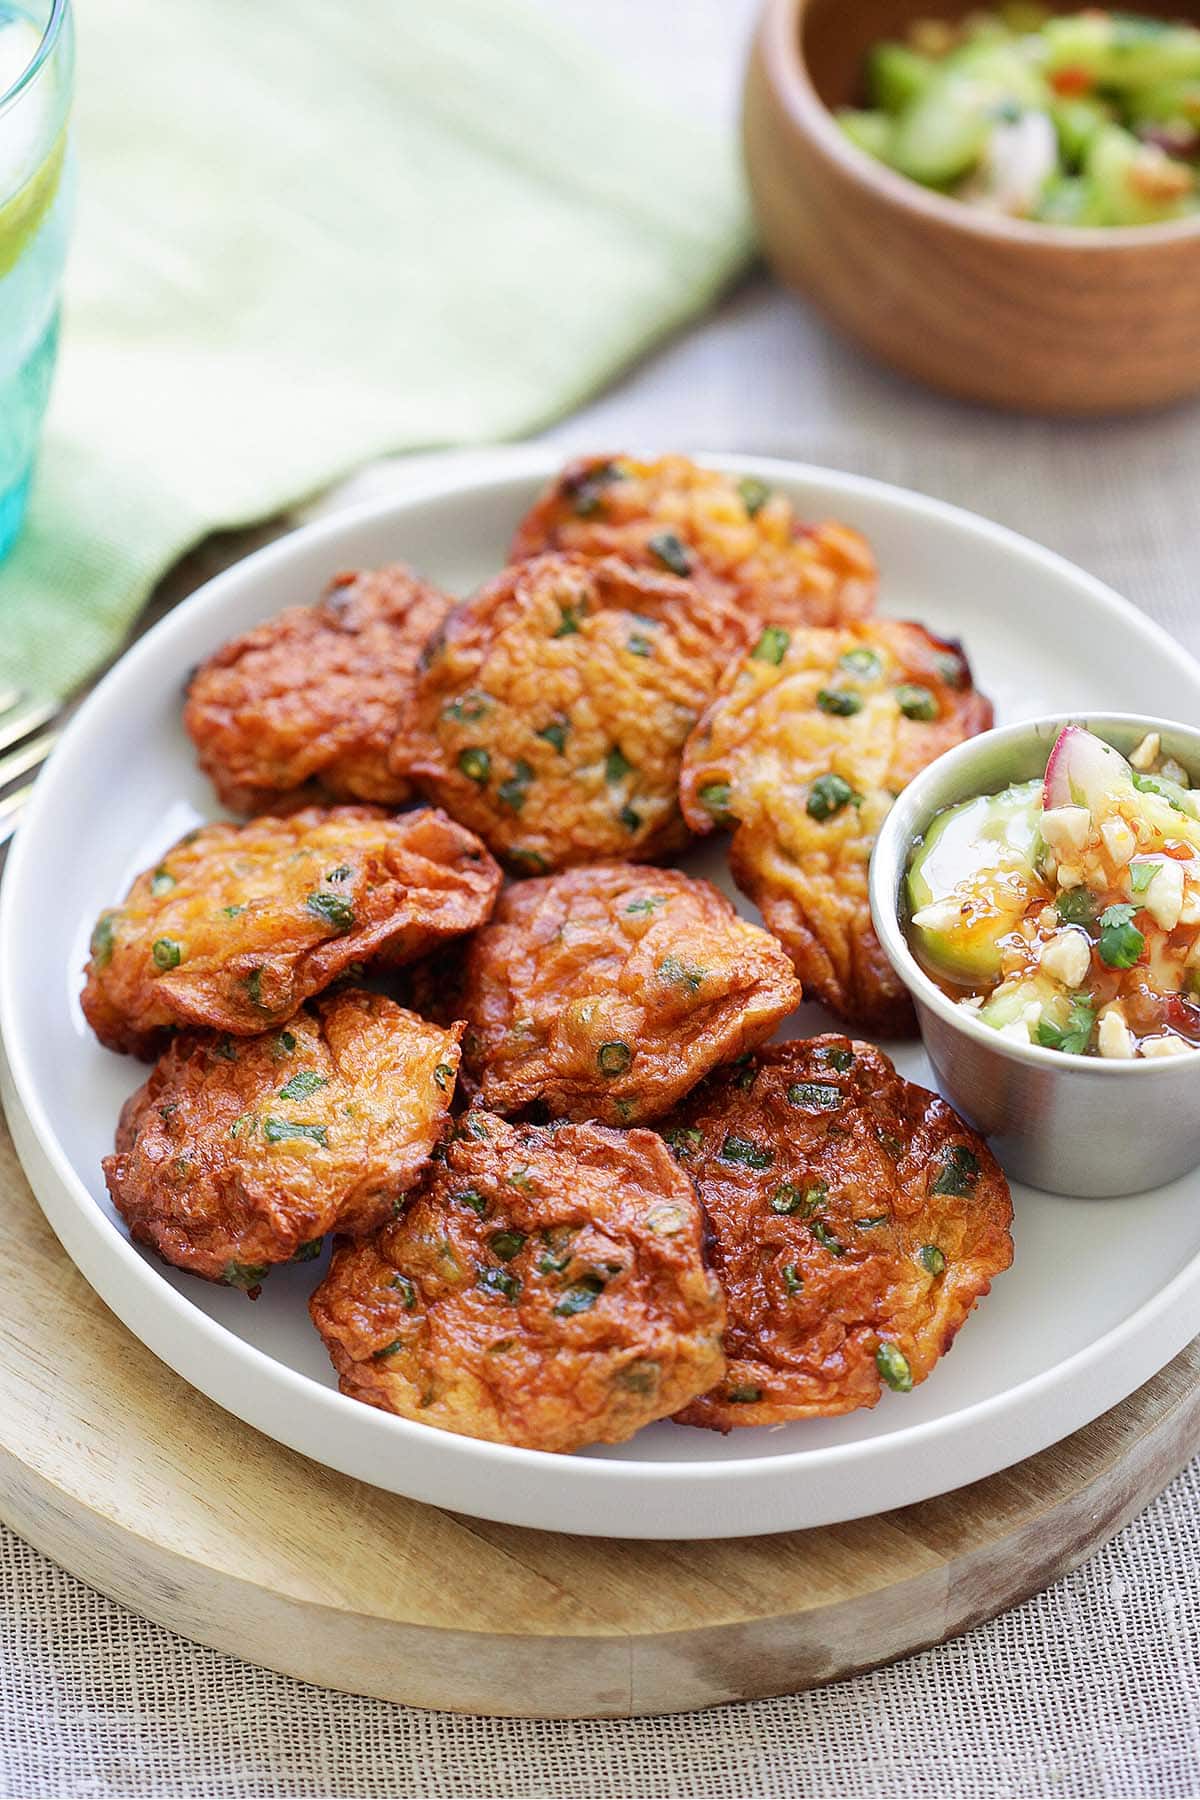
1101,1293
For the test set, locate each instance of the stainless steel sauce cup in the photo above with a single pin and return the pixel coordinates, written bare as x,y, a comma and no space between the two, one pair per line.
1069,1124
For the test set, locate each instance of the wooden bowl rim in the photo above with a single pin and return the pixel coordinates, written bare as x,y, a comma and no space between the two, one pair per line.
787,70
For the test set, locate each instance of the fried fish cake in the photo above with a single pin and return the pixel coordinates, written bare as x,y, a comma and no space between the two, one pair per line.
608,992
739,536
238,924
803,755
543,1287
304,707
857,1221
240,1153
551,717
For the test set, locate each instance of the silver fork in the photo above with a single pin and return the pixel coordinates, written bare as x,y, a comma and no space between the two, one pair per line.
24,746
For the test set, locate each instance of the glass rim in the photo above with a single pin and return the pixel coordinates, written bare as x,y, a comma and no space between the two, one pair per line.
49,38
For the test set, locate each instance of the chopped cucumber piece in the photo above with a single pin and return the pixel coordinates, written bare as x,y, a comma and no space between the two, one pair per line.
942,135
971,879
1077,123
1179,799
1132,183
1008,69
1006,1005
896,76
1121,50
1065,201
871,131
1166,103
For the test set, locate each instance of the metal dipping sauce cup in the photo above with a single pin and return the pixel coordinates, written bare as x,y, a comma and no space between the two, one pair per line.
1069,1124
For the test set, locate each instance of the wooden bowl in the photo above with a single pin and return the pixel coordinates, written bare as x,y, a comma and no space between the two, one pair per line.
1038,318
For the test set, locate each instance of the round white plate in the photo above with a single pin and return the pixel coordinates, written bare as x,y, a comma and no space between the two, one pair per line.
1101,1293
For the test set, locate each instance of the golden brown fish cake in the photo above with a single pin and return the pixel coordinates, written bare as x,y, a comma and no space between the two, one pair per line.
856,1221
241,1153
803,755
304,707
238,924
551,717
608,992
544,1287
737,535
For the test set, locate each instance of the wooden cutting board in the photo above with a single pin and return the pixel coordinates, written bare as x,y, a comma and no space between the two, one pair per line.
119,1470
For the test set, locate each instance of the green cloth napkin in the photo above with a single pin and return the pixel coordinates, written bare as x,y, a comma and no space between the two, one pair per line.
312,232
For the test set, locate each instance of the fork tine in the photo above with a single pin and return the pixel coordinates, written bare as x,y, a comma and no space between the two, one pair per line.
10,810
17,725
29,756
21,714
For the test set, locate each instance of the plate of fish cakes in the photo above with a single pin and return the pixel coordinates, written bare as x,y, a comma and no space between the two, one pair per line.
543,1034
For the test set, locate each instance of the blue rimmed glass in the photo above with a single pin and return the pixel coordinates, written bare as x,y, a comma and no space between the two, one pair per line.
36,67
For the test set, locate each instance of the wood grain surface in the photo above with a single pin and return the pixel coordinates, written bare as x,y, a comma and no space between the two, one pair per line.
116,1468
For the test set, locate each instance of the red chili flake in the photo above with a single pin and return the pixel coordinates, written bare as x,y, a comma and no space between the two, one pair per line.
1183,1015
1069,82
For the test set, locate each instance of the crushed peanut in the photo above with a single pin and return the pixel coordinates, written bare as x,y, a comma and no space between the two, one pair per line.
1066,827
1120,840
1164,1046
1066,957
1113,1036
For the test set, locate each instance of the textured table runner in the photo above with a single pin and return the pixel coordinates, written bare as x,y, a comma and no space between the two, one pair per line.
1089,1690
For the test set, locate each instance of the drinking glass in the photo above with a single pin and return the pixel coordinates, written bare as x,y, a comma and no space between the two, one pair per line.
36,65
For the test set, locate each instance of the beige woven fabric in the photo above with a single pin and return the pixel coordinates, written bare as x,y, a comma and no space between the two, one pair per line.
1088,1690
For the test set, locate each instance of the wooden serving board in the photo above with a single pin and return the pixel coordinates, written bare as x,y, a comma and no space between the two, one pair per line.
119,1470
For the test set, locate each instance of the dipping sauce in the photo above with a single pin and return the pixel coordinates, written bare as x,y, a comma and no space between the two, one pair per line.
1066,912
1092,118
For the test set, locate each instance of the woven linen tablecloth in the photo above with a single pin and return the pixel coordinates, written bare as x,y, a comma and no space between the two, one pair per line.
1092,1688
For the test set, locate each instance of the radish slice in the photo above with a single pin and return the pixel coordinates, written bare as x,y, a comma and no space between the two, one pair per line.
1082,771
